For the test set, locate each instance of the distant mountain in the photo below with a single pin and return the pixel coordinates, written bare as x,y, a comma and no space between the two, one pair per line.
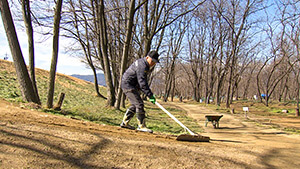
90,78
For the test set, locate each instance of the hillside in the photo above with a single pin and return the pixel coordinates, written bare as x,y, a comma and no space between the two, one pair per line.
81,102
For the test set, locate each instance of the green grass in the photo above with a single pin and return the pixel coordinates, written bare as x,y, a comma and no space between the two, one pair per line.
260,110
81,102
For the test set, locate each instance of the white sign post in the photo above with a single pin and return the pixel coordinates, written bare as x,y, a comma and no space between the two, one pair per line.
245,109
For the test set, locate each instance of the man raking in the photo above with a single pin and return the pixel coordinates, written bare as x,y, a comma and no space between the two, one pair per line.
135,79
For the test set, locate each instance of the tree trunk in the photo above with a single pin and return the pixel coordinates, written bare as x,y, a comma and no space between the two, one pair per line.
248,83
212,81
218,95
220,86
96,83
298,87
123,98
229,88
26,87
168,86
169,78
60,102
125,50
27,21
88,54
104,50
173,89
57,17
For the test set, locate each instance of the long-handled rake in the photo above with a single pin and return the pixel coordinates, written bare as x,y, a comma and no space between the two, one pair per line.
185,137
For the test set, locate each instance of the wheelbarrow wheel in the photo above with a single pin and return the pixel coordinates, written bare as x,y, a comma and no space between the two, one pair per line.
214,124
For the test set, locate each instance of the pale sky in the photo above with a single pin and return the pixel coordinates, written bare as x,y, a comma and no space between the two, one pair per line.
43,52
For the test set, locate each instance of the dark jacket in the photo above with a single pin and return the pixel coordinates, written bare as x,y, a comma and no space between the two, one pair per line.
135,77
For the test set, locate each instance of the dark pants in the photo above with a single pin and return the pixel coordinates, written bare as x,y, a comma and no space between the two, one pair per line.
137,103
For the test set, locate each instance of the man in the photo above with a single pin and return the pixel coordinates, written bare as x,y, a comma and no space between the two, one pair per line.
133,80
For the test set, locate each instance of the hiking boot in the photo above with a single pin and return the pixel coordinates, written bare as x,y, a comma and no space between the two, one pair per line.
127,117
142,124
127,126
144,129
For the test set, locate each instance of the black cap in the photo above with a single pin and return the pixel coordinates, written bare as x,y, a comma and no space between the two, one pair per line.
154,55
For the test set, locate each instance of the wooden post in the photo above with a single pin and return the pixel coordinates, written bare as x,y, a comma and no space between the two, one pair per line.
60,101
297,112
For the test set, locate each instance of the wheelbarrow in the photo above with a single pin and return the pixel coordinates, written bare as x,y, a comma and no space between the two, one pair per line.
214,119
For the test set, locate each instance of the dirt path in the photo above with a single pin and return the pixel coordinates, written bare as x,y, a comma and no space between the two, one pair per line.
274,148
31,139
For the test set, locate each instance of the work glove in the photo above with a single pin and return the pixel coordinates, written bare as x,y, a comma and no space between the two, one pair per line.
152,99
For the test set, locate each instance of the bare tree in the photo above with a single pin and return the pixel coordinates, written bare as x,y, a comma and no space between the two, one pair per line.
175,39
84,33
272,74
104,52
196,54
280,62
28,24
212,54
57,17
27,89
126,48
223,56
237,16
194,65
157,15
248,76
290,18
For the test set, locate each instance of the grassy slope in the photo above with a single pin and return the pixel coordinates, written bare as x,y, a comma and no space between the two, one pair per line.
81,102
